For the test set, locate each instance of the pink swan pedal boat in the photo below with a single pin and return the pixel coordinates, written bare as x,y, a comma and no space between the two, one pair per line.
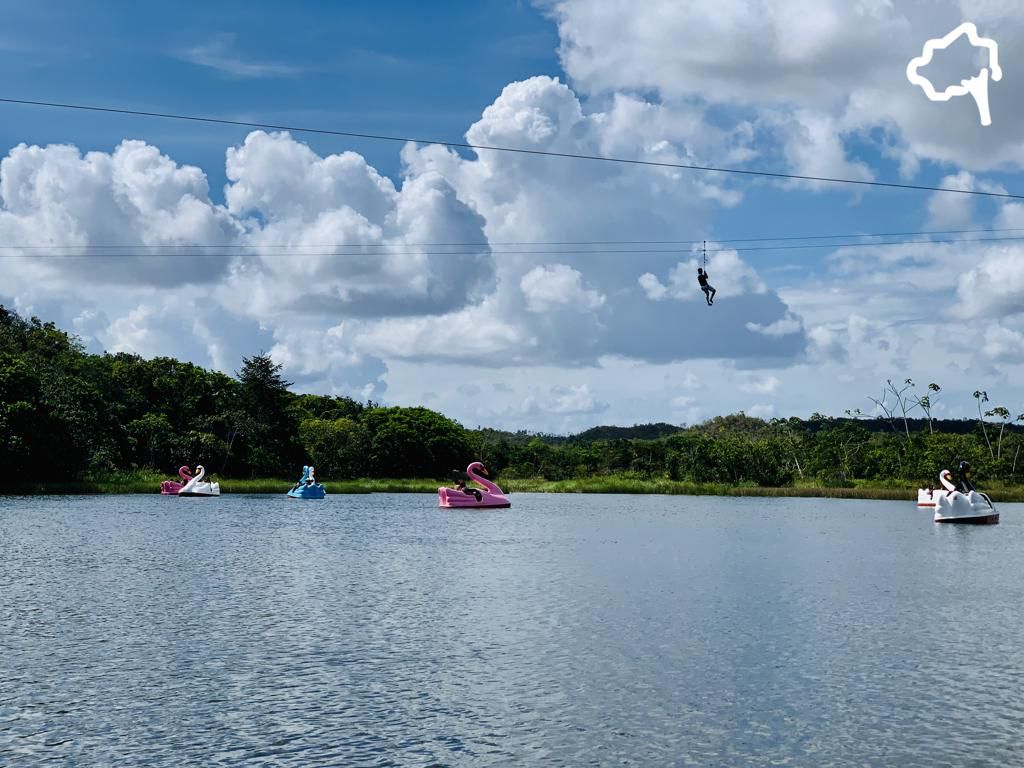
490,497
171,487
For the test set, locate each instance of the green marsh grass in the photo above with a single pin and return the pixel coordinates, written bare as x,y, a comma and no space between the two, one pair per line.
149,482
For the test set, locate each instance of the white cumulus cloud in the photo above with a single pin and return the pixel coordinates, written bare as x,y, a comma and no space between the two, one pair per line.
557,286
573,399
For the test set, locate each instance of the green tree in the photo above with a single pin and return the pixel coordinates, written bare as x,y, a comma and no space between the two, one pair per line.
837,452
414,442
270,429
336,447
19,414
154,439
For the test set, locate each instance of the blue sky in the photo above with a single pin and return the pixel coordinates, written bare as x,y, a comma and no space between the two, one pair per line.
404,68
557,341
399,68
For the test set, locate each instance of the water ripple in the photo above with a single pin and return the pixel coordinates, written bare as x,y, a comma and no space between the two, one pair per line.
378,631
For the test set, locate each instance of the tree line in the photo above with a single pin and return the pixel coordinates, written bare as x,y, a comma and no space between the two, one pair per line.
65,414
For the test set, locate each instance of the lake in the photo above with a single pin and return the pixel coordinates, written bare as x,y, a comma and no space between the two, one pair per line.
568,630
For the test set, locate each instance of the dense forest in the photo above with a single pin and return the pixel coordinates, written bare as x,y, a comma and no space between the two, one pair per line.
66,414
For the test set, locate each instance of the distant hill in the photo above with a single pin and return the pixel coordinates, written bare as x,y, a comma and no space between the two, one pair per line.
732,424
592,435
946,426
636,432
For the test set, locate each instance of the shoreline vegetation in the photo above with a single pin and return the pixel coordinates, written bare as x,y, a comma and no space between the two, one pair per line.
149,483
76,422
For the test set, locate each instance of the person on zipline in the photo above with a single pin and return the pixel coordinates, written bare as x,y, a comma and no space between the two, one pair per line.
709,290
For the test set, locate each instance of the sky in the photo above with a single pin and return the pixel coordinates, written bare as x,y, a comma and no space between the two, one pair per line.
211,242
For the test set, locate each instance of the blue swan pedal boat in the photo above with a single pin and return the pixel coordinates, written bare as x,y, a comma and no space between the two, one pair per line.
307,487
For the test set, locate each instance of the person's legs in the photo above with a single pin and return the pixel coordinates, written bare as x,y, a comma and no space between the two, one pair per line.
707,295
712,299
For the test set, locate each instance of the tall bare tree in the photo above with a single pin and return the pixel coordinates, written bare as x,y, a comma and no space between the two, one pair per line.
982,397
925,403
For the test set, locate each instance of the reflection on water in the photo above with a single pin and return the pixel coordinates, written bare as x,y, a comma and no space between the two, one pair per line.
378,630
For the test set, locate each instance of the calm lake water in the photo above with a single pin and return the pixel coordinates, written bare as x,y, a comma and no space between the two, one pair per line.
569,630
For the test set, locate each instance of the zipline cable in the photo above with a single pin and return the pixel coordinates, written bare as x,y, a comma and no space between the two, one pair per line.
514,150
577,252
524,243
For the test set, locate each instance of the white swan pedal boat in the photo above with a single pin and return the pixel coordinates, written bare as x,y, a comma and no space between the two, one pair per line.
953,506
198,487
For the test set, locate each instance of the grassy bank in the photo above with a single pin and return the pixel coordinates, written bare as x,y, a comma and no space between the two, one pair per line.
893,490
146,482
